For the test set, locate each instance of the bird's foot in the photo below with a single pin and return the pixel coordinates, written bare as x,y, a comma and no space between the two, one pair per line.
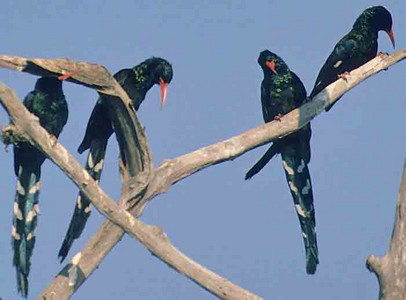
344,75
384,54
67,76
54,140
278,117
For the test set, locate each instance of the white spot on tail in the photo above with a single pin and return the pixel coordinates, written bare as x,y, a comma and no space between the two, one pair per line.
90,162
293,187
288,169
99,166
35,188
338,63
36,208
300,211
301,167
79,202
14,233
30,236
20,188
307,188
31,215
17,212
20,170
73,270
88,208
73,275
304,235
75,260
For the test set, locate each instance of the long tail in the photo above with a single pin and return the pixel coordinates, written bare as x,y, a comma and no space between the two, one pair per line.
25,213
298,177
82,210
260,164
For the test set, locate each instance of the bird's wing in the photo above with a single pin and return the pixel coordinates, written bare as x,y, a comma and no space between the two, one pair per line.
335,64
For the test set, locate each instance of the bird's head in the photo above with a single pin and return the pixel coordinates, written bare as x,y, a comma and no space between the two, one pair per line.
47,84
379,18
271,63
160,70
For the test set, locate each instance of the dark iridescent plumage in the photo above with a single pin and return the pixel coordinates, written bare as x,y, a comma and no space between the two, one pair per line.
136,82
48,103
356,48
281,92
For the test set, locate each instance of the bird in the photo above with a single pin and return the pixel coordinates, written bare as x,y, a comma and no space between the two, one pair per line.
136,81
48,103
356,48
282,91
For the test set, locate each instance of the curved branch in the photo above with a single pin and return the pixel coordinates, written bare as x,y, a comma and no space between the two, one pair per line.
150,236
90,75
129,131
174,170
391,268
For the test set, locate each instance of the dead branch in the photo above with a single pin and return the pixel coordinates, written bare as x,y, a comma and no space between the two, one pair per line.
151,236
391,268
174,170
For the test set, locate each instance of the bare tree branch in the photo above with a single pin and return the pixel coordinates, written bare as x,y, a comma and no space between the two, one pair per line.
151,236
120,107
391,268
90,75
174,170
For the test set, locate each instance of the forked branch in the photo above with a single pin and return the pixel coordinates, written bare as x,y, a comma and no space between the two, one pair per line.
171,171
174,170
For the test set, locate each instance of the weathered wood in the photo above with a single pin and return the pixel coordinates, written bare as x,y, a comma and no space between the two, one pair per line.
138,191
174,170
390,269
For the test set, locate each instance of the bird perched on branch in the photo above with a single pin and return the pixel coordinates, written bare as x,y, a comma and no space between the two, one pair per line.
136,82
281,92
48,103
356,48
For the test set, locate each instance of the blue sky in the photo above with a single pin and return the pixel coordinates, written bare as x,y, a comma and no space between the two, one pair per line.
247,232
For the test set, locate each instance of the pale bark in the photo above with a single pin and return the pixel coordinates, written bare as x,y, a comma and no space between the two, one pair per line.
137,191
391,268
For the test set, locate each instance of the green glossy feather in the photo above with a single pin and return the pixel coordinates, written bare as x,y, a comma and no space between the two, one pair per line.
136,82
282,92
48,103
355,49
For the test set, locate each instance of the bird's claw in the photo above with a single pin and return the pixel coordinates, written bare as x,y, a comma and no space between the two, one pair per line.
344,75
380,53
278,117
54,140
68,74
383,55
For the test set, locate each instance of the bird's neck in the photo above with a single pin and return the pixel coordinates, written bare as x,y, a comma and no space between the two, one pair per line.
364,25
143,78
277,79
